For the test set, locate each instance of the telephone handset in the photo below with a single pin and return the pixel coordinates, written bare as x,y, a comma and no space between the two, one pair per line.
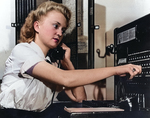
56,54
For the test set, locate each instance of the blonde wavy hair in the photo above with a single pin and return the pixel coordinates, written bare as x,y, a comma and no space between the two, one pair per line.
27,33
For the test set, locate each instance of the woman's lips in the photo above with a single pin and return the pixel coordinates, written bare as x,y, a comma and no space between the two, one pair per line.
56,40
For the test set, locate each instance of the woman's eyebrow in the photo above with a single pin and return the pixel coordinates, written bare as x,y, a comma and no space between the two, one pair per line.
60,24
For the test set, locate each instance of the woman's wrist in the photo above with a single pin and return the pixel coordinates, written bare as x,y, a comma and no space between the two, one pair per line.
67,64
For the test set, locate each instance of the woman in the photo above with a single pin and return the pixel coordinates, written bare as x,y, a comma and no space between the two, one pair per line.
29,80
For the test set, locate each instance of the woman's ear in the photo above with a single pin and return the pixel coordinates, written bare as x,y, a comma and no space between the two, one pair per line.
36,26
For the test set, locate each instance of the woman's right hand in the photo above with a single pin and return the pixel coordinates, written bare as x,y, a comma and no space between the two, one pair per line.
129,68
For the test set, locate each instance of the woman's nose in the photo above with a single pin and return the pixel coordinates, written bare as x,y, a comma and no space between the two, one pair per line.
59,32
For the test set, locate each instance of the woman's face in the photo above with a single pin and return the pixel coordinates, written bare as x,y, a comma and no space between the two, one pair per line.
50,29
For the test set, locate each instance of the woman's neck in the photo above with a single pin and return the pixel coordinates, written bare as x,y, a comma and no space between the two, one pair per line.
43,48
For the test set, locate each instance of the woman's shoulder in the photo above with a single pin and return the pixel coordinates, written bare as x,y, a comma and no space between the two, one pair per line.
26,50
23,50
21,46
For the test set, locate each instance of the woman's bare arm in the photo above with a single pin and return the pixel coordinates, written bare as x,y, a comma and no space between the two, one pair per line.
74,78
77,94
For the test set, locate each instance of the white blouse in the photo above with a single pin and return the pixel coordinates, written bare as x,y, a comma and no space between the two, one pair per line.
24,92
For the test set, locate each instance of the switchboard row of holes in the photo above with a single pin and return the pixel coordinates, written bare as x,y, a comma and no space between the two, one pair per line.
141,58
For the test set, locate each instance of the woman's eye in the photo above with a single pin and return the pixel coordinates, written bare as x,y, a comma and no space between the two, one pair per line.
63,31
55,26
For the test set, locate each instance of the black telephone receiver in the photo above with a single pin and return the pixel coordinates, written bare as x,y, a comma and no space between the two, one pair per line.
56,54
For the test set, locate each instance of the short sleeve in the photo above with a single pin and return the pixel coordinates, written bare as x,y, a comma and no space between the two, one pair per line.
28,64
27,56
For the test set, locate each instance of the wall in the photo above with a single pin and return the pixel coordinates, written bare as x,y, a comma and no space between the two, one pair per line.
118,13
7,33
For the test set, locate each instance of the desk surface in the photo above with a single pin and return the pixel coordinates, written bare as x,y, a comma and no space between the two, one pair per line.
57,111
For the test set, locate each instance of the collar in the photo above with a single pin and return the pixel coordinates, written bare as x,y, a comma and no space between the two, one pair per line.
37,49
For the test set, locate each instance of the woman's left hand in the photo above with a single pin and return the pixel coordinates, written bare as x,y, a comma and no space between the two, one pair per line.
67,53
66,62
